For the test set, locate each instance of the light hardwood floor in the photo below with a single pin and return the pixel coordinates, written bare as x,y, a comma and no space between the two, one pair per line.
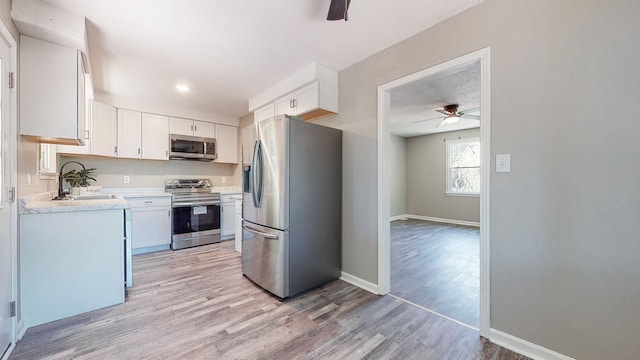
437,266
195,304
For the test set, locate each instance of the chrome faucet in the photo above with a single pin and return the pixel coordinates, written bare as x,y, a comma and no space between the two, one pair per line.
61,179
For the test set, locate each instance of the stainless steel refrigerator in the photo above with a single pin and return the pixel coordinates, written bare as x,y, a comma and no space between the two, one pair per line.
292,201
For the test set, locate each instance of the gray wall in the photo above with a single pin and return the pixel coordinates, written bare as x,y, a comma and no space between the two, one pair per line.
564,223
426,177
398,168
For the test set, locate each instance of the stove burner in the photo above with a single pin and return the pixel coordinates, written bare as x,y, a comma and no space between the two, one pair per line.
187,185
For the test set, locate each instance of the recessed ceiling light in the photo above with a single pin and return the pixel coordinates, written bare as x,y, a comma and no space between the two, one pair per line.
182,88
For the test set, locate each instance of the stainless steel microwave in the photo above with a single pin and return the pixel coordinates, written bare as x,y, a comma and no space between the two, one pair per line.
184,147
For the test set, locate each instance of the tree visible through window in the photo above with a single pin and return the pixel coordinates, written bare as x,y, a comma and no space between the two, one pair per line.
463,166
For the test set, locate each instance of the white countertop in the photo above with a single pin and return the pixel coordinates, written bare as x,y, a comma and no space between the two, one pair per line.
227,190
41,204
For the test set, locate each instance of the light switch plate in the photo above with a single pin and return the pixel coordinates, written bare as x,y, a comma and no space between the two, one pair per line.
503,163
126,179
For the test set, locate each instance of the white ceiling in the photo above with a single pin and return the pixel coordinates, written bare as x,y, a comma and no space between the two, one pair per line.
415,102
230,51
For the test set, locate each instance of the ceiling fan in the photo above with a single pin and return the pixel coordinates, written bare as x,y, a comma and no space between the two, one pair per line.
452,115
338,10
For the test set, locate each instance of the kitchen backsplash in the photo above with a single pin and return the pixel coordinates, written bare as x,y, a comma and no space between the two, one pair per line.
150,173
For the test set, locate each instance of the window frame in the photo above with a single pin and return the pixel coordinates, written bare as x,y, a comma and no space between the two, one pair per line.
448,143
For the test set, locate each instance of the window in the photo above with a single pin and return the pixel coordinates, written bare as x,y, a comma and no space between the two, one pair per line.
463,166
47,162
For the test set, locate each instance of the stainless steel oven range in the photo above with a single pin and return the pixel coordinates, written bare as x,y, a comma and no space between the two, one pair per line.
195,213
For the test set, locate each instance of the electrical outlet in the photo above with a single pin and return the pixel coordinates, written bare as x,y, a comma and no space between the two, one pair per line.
224,179
126,179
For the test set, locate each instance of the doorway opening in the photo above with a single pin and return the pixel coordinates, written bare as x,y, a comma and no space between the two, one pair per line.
480,60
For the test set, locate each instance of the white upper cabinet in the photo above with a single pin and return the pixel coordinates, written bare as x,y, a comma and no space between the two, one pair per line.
204,129
310,93
155,137
190,127
265,112
129,134
101,134
51,92
226,144
180,126
298,102
104,130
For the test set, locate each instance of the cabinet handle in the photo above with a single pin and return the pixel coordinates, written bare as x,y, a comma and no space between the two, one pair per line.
195,127
86,134
138,151
290,104
115,149
191,127
169,211
294,103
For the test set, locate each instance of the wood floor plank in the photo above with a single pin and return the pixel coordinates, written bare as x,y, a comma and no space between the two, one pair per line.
437,266
195,304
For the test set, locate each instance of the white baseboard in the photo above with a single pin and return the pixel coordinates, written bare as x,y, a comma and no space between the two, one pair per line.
8,352
524,347
435,219
363,284
21,329
399,217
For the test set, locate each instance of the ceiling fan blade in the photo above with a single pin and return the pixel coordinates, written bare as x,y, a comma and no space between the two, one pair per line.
444,121
467,116
443,112
338,10
469,110
417,121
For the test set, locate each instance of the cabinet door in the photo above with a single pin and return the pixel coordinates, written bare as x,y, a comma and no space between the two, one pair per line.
129,134
155,137
227,144
265,112
306,98
150,227
82,89
227,218
180,126
104,129
284,105
49,92
204,129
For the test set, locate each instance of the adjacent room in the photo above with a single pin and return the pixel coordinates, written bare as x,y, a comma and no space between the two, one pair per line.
435,186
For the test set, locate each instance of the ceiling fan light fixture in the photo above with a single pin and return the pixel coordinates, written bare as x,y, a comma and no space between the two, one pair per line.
451,119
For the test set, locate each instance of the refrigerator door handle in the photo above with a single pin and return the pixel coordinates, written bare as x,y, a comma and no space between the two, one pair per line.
263,234
256,174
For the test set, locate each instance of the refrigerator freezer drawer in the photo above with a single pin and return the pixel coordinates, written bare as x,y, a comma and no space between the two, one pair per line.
265,258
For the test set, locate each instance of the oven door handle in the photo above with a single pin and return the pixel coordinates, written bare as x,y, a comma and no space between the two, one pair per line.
194,203
263,234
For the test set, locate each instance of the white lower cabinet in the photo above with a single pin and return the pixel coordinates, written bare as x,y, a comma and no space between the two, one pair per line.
70,263
227,217
150,223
